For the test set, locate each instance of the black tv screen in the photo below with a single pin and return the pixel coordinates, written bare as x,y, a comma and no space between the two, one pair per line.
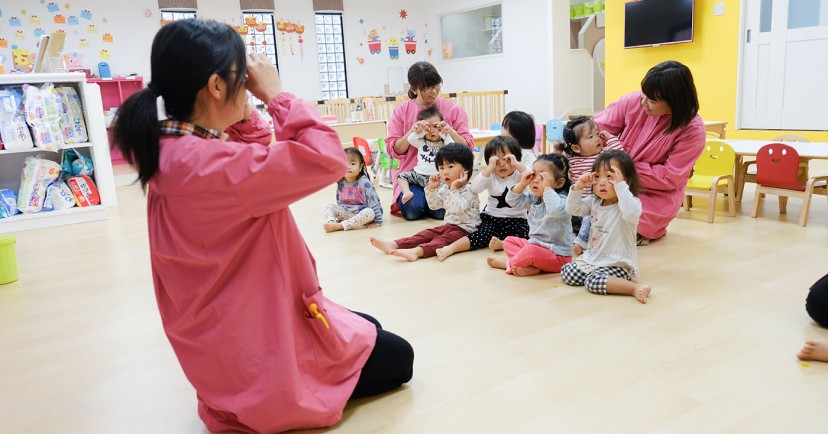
656,22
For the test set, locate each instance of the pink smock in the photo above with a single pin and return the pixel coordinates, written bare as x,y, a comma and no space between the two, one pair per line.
404,117
234,278
663,161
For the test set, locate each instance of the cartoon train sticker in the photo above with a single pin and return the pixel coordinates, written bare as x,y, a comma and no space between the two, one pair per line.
375,47
410,47
393,48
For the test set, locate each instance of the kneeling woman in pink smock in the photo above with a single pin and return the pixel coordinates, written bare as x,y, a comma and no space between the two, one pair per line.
663,133
235,282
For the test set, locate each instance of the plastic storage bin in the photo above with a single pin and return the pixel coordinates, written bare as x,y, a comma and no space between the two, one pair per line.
8,259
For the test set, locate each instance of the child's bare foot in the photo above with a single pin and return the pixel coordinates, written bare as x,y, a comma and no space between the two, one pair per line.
332,226
525,271
814,350
577,250
385,246
444,252
410,255
496,244
641,292
496,263
407,196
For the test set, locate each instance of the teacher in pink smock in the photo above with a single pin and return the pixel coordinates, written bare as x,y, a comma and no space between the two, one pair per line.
425,84
235,282
662,131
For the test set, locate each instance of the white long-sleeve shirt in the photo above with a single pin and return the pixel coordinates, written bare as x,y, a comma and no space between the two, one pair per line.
426,151
612,235
462,205
497,206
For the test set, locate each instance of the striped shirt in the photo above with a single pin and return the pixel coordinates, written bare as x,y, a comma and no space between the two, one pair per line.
579,165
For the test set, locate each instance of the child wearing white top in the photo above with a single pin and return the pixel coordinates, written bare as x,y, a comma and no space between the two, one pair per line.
583,141
550,227
610,263
521,126
498,219
462,207
427,142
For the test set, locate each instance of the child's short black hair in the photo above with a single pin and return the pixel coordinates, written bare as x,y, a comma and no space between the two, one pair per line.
455,153
521,126
429,113
623,162
501,143
560,168
356,153
569,136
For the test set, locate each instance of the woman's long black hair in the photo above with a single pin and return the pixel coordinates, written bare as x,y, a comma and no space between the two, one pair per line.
672,83
185,54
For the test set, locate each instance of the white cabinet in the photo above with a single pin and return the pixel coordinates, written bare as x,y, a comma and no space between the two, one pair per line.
11,162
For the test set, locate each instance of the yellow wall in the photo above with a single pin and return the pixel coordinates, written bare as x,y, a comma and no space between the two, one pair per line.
713,58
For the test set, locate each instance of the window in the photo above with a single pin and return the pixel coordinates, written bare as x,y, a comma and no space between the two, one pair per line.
177,14
475,32
261,36
333,77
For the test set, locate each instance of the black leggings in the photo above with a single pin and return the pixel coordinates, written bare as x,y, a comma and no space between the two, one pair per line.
390,365
817,302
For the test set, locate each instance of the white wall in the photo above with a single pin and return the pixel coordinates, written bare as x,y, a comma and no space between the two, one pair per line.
370,76
536,53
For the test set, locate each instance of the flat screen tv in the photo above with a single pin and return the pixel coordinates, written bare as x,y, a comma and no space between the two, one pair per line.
656,22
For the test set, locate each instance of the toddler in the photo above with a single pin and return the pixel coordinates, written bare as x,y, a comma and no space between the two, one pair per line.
610,262
550,227
357,203
428,142
521,126
498,219
450,190
582,144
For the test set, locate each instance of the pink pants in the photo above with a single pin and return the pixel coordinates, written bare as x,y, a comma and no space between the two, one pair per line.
432,239
524,254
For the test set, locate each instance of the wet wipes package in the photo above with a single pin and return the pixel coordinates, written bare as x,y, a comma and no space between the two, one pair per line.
8,203
43,108
13,128
58,196
37,174
71,116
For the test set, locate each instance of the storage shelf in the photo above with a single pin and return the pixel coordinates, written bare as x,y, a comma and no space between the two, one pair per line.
36,150
44,219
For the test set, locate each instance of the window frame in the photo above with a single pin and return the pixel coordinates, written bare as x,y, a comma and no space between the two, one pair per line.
343,62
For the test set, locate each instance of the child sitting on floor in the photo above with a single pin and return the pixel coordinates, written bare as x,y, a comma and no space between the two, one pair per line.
549,246
610,262
582,144
498,219
427,142
449,190
357,203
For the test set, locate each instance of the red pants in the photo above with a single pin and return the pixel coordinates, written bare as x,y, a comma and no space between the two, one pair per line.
522,253
432,239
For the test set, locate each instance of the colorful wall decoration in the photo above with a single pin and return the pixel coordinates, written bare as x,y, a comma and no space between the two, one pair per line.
26,26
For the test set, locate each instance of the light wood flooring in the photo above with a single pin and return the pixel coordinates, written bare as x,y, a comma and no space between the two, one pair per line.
82,349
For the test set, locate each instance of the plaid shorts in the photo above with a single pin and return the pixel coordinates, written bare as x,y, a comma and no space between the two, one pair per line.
594,278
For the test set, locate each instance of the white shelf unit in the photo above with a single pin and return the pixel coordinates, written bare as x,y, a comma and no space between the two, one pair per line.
11,162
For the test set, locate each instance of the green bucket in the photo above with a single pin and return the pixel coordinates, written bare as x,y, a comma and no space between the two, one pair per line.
8,259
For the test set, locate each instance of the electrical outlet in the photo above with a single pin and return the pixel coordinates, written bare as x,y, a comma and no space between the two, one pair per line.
718,8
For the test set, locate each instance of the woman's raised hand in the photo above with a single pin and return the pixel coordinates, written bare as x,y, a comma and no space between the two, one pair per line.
262,77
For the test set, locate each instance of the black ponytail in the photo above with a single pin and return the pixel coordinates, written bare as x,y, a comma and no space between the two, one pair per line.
185,54
137,133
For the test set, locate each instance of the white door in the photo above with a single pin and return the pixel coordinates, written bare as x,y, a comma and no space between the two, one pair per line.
785,46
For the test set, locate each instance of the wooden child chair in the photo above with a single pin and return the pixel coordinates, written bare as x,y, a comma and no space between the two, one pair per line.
777,172
713,168
744,166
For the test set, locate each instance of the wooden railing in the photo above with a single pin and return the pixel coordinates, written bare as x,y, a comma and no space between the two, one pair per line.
483,108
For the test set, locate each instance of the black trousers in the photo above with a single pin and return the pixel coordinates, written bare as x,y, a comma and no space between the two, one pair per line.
390,365
817,302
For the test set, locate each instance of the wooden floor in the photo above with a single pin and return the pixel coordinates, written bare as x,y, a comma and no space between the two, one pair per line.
82,349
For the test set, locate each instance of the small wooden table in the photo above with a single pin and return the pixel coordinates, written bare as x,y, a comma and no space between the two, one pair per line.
716,127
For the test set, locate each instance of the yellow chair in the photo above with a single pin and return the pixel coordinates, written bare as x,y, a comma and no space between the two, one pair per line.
713,168
744,166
